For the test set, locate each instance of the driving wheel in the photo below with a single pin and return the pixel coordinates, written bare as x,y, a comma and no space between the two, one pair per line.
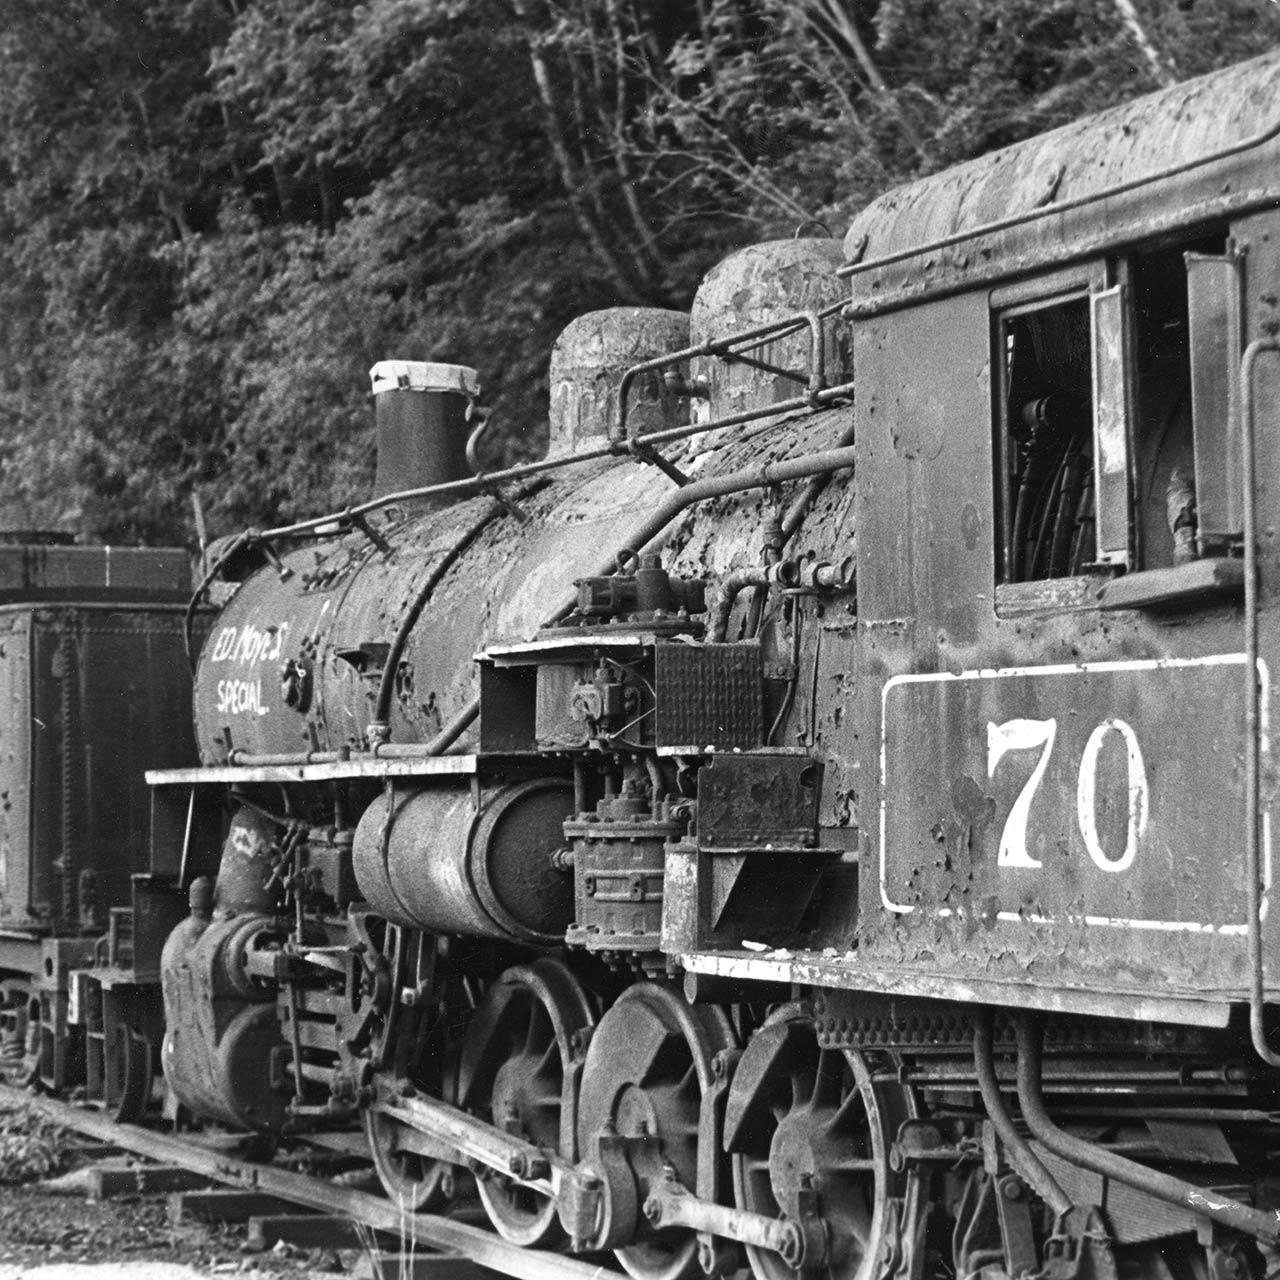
649,1065
810,1135
519,1072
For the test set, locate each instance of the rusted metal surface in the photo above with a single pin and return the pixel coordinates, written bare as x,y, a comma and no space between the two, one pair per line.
422,414
375,768
1262,1224
618,861
1031,202
765,800
222,1034
1037,821
754,287
832,967
437,860
708,695
983,768
339,612
94,696
588,363
43,571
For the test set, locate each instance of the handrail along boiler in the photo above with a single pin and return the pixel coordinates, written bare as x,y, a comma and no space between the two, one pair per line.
821,832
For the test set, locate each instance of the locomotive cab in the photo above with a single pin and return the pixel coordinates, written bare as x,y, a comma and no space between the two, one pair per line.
1052,567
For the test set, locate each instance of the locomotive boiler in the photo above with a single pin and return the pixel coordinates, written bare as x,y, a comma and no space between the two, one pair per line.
790,827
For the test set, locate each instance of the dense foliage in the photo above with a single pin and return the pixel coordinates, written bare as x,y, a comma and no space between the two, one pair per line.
31,1144
217,214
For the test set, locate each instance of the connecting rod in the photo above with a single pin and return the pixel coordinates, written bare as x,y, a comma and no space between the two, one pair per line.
580,1193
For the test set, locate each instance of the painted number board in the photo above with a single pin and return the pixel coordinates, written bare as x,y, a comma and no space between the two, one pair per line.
1109,794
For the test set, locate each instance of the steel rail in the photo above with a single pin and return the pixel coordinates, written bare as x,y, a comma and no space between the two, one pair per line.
482,1247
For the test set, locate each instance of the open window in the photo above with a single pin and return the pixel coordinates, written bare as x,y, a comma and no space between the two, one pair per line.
1117,437
1045,495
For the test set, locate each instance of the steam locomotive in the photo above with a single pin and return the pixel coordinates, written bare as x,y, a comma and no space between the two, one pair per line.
785,828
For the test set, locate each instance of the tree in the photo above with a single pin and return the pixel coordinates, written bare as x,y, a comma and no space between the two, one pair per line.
217,214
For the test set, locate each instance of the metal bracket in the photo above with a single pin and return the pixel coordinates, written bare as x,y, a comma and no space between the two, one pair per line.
647,453
489,487
1016,1234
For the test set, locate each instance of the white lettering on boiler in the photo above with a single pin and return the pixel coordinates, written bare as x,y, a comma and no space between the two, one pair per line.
248,644
240,697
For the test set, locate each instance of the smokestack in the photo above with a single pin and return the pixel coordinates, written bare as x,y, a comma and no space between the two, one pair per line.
421,415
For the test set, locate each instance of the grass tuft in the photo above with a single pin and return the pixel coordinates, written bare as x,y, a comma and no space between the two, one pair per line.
31,1144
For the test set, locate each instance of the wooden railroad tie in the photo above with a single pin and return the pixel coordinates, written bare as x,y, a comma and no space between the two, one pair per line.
105,1181
313,1231
424,1265
225,1206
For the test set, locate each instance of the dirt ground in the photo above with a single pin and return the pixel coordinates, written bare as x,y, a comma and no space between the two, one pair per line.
40,1230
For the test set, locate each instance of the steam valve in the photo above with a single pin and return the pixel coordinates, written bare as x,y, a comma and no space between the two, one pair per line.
640,587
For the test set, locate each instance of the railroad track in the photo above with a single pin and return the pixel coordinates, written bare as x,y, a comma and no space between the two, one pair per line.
377,1214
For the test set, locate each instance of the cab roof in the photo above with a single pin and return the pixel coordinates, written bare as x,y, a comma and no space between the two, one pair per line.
1193,152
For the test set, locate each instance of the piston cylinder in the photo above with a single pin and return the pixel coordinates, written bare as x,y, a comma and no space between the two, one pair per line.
222,1031
436,860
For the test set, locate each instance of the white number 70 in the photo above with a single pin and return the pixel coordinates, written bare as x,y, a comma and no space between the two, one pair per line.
1029,735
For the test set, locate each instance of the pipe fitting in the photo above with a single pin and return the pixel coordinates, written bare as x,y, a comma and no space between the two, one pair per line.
1208,1203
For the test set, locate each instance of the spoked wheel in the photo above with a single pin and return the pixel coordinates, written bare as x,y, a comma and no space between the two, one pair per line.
422,1054
137,1058
810,1135
413,1178
649,1064
518,1072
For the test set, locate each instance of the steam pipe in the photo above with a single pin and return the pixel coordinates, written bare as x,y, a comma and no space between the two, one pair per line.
248,760
1025,1162
791,521
791,574
756,576
188,617
614,449
1253,701
762,476
1162,1186
823,463
448,735
380,726
786,572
